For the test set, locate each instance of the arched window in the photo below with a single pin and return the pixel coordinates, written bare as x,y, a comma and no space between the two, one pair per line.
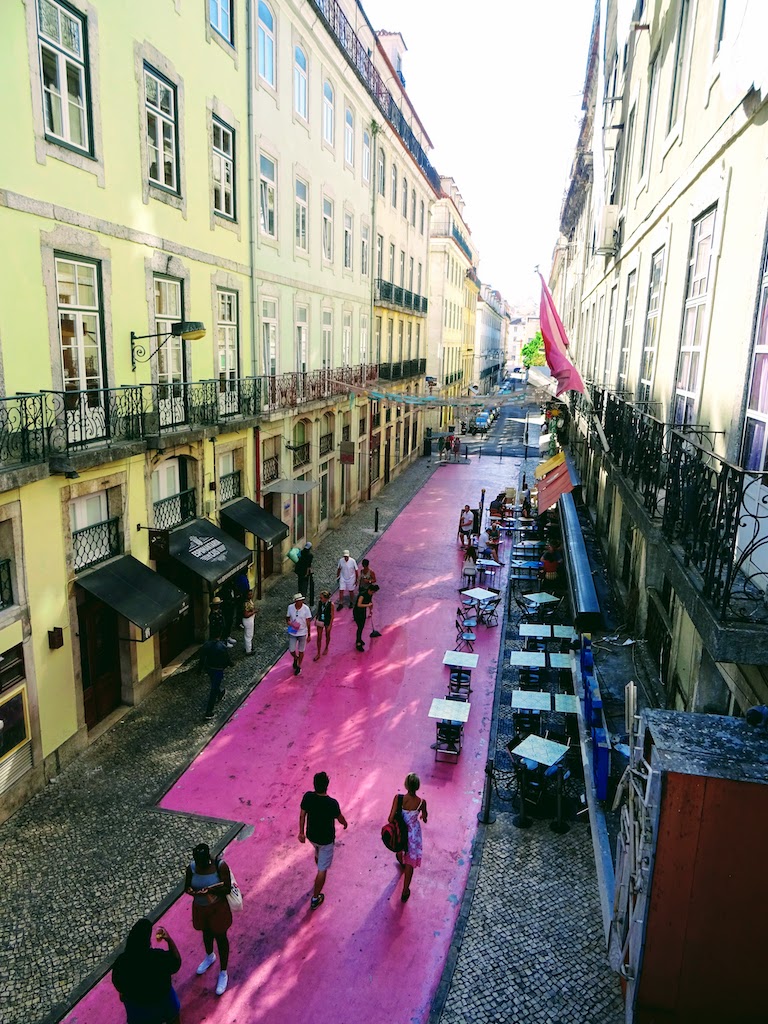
300,82
328,111
405,196
266,44
366,163
349,137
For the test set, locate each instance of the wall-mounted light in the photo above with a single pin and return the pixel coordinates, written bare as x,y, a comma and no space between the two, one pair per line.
187,330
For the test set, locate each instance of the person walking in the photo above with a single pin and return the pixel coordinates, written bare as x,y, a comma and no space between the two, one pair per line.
249,622
228,601
142,975
215,658
456,448
299,619
216,618
413,809
363,602
303,568
209,883
317,823
324,621
367,577
240,588
346,574
466,525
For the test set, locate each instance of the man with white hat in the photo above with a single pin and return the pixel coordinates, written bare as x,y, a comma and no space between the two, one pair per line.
303,570
346,574
299,619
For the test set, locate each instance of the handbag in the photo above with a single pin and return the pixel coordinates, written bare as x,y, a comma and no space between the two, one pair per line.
394,834
234,897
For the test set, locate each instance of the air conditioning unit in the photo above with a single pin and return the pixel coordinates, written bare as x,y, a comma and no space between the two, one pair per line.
607,231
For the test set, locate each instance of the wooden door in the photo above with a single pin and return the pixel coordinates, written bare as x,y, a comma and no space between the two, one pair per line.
99,660
269,553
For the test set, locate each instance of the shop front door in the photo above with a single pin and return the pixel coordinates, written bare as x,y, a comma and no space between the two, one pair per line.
269,503
99,660
176,637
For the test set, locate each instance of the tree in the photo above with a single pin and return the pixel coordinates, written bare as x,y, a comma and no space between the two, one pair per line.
533,351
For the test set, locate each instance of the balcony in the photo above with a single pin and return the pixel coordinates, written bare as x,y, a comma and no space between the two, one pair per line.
175,510
394,295
97,543
302,455
289,390
326,444
713,514
453,378
6,586
270,469
437,230
229,486
404,370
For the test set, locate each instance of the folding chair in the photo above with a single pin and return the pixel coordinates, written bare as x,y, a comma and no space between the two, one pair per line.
489,613
467,618
449,738
464,638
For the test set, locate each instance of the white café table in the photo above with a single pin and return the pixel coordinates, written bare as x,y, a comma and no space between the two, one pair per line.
538,629
535,748
540,598
460,659
479,594
567,702
530,659
559,660
532,700
564,632
488,563
452,710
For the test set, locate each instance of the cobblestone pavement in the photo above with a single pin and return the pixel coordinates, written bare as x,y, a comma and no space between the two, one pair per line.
90,853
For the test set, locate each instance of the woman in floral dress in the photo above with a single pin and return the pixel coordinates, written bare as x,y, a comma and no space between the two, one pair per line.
414,812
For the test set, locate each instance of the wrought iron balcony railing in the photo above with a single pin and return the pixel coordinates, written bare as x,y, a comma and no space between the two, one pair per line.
176,509
270,469
6,585
229,486
302,455
97,543
326,443
288,390
403,298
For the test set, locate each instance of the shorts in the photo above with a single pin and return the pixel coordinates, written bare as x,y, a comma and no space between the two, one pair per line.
324,856
466,532
159,1013
216,917
297,643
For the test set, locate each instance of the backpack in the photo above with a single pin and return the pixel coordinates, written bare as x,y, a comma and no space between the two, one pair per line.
394,834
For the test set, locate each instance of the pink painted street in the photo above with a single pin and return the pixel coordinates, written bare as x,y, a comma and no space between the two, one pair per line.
363,718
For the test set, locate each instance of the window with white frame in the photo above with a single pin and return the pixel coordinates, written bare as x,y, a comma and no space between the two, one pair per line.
300,91
381,171
62,44
408,351
418,341
405,197
268,196
78,288
678,68
413,207
302,219
169,479
418,281
392,262
400,330
754,453
266,44
95,545
168,311
629,155
380,256
390,338
410,274
691,359
422,217
346,340
719,25
301,328
394,185
363,338
377,340
650,116
402,269
365,245
651,336
327,339
609,334
328,112
223,169
162,130
269,335
366,161
221,17
347,241
327,228
349,137
226,338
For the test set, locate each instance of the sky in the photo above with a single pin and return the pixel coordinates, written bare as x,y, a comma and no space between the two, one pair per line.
498,85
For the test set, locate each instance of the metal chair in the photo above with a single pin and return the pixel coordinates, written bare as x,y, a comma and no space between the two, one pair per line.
449,739
467,618
489,612
464,638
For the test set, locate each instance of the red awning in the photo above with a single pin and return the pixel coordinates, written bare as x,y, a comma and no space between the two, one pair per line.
551,486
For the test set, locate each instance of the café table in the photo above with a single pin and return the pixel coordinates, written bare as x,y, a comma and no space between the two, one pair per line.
536,748
567,703
559,660
460,659
541,630
532,700
451,710
540,598
479,594
528,659
564,632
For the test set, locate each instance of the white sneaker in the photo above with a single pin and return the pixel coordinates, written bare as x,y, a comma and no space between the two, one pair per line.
206,963
221,986
231,642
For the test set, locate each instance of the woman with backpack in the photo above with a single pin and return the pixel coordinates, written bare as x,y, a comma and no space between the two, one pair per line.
414,811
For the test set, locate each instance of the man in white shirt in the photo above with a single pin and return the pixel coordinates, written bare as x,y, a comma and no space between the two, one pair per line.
466,525
299,619
346,574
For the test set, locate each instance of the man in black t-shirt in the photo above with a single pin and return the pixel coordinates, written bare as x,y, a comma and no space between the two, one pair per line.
317,823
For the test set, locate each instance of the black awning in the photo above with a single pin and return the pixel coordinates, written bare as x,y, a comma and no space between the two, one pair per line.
207,551
256,520
135,591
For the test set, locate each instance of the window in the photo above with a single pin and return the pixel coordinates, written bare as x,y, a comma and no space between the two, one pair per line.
168,310
327,337
394,186
610,333
302,190
681,46
719,26
349,137
269,335
690,361
651,338
629,154
381,165
78,288
402,269
418,341
392,262
421,217
223,169
365,245
650,116
400,328
366,163
377,340
162,138
63,63
14,712
300,100
418,281
363,338
347,241
405,197
302,339
328,111
327,229
413,207
221,17
346,340
267,196
390,338
410,274
226,339
379,256
754,454
266,44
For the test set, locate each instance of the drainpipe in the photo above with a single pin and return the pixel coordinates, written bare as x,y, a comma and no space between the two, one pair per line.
375,129
251,193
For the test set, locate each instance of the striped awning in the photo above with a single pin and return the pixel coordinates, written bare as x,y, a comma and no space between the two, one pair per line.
554,484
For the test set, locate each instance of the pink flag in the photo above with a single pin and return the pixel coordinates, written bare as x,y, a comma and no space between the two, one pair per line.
555,343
